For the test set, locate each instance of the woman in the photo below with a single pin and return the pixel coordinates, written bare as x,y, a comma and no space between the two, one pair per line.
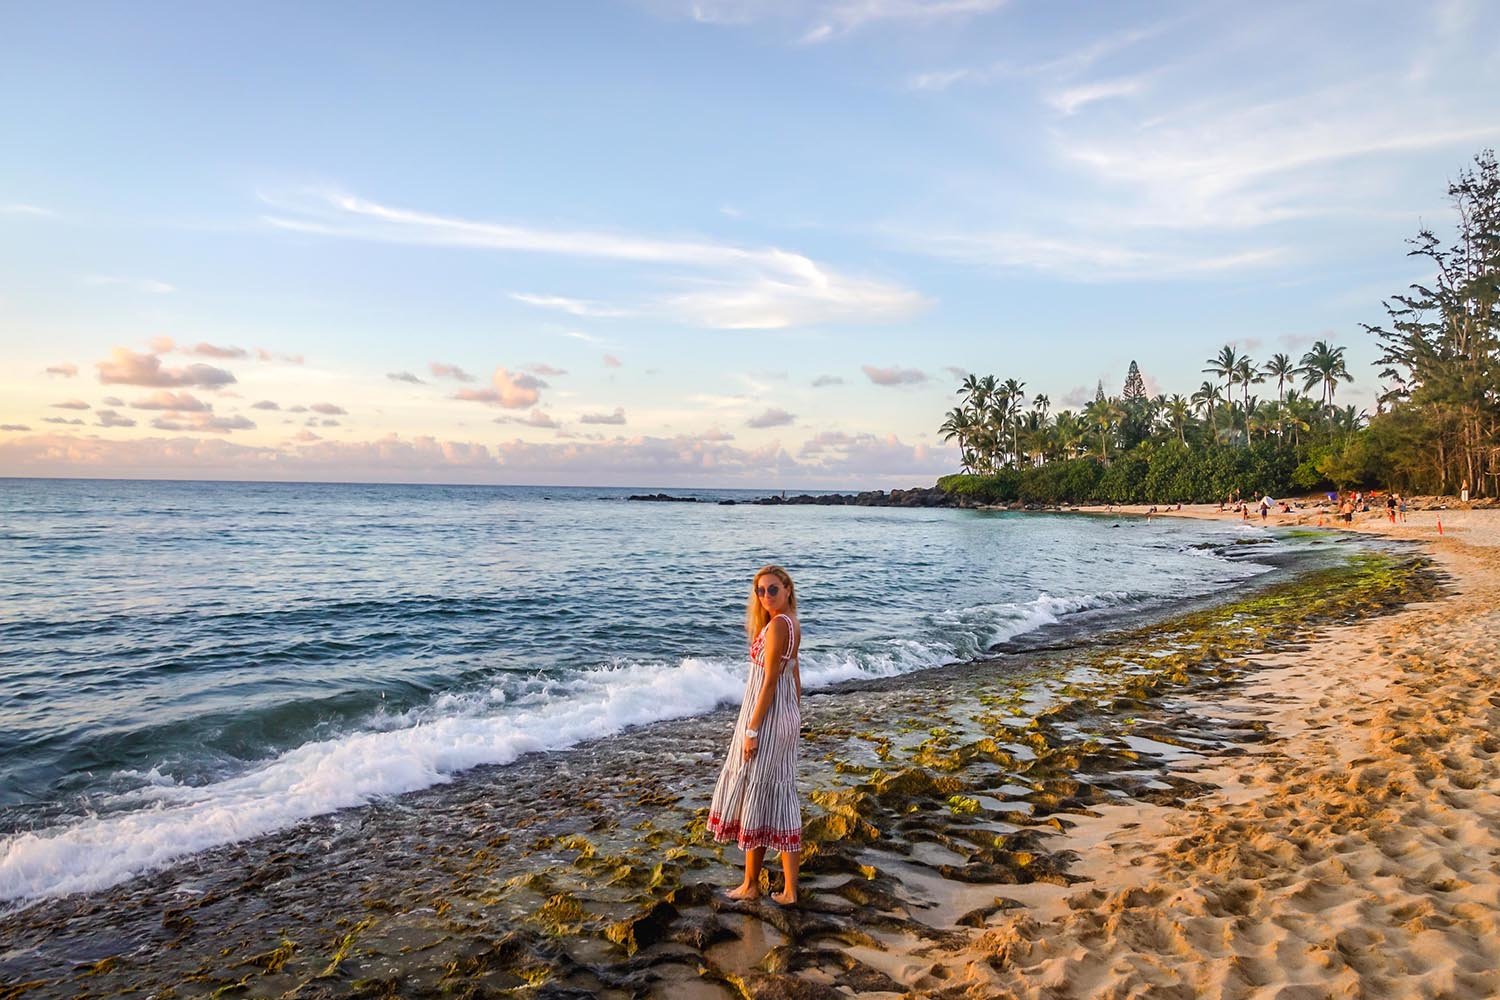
755,802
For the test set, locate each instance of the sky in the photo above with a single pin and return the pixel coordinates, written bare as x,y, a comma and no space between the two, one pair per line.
732,243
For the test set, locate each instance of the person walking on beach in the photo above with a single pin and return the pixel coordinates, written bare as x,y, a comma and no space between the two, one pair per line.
1390,506
755,802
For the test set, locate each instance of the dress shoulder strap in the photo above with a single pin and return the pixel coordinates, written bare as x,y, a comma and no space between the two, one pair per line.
791,635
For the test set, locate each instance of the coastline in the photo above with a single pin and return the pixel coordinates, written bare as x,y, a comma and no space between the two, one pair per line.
936,800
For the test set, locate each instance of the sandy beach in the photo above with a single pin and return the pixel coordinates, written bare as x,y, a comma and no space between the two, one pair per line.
1356,853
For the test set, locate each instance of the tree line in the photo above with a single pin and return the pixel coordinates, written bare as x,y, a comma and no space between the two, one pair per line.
1436,428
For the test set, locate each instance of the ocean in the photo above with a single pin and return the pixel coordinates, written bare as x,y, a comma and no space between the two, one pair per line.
185,665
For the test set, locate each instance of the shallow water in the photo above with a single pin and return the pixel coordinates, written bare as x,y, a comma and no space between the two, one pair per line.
190,664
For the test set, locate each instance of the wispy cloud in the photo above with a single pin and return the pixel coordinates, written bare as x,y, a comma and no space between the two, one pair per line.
823,20
731,287
1069,100
1106,257
617,417
842,18
65,370
573,307
21,208
148,285
404,377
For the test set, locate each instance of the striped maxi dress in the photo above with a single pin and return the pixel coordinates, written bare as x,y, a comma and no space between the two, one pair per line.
755,802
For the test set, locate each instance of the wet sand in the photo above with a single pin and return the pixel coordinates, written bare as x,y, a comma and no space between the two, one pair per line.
1194,802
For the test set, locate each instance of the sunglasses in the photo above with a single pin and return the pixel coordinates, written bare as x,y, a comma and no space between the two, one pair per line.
768,591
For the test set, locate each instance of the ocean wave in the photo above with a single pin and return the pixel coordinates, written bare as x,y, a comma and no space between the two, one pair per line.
163,820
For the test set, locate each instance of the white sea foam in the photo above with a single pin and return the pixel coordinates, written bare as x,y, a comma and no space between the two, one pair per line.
454,732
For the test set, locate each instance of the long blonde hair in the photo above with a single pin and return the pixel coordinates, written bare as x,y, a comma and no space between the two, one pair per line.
755,615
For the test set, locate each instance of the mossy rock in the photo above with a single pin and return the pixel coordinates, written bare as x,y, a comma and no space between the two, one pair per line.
642,930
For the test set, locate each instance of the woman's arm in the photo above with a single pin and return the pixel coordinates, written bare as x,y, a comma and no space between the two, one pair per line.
776,640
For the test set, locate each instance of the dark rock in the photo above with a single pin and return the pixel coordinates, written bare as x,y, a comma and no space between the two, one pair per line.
661,498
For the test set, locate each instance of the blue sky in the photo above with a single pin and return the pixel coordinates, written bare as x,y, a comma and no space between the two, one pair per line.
645,230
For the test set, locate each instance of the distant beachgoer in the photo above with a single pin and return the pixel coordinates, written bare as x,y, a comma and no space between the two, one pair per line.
755,801
1464,493
1346,511
1401,506
1390,507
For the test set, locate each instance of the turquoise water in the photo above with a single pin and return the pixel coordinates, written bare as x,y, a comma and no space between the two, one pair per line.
189,664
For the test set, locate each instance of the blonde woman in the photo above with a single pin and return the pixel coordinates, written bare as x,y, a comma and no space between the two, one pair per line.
755,803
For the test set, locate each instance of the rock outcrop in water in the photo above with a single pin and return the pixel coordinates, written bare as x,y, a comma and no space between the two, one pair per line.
917,496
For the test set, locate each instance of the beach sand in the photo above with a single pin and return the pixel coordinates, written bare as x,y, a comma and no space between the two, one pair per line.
1357,853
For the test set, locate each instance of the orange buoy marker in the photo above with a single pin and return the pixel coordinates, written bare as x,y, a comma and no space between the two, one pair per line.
1440,524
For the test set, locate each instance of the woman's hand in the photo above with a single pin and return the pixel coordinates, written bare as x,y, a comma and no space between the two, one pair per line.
752,743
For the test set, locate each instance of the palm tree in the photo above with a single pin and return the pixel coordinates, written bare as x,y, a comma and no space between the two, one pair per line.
1204,399
1014,395
957,425
1296,414
1224,365
1324,365
1178,410
1280,368
1068,432
1103,414
1245,373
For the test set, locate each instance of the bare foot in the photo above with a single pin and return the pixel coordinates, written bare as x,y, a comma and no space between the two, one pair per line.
785,898
744,893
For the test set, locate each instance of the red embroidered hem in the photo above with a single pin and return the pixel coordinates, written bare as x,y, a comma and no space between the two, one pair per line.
789,841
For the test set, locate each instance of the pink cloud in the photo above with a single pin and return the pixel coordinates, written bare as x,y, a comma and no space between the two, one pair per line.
182,402
14,427
771,418
109,418
126,367
65,370
536,418
440,370
546,371
328,409
265,404
261,354
71,404
894,376
163,345
511,391
617,417
61,420
610,361
203,422
213,351
861,461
